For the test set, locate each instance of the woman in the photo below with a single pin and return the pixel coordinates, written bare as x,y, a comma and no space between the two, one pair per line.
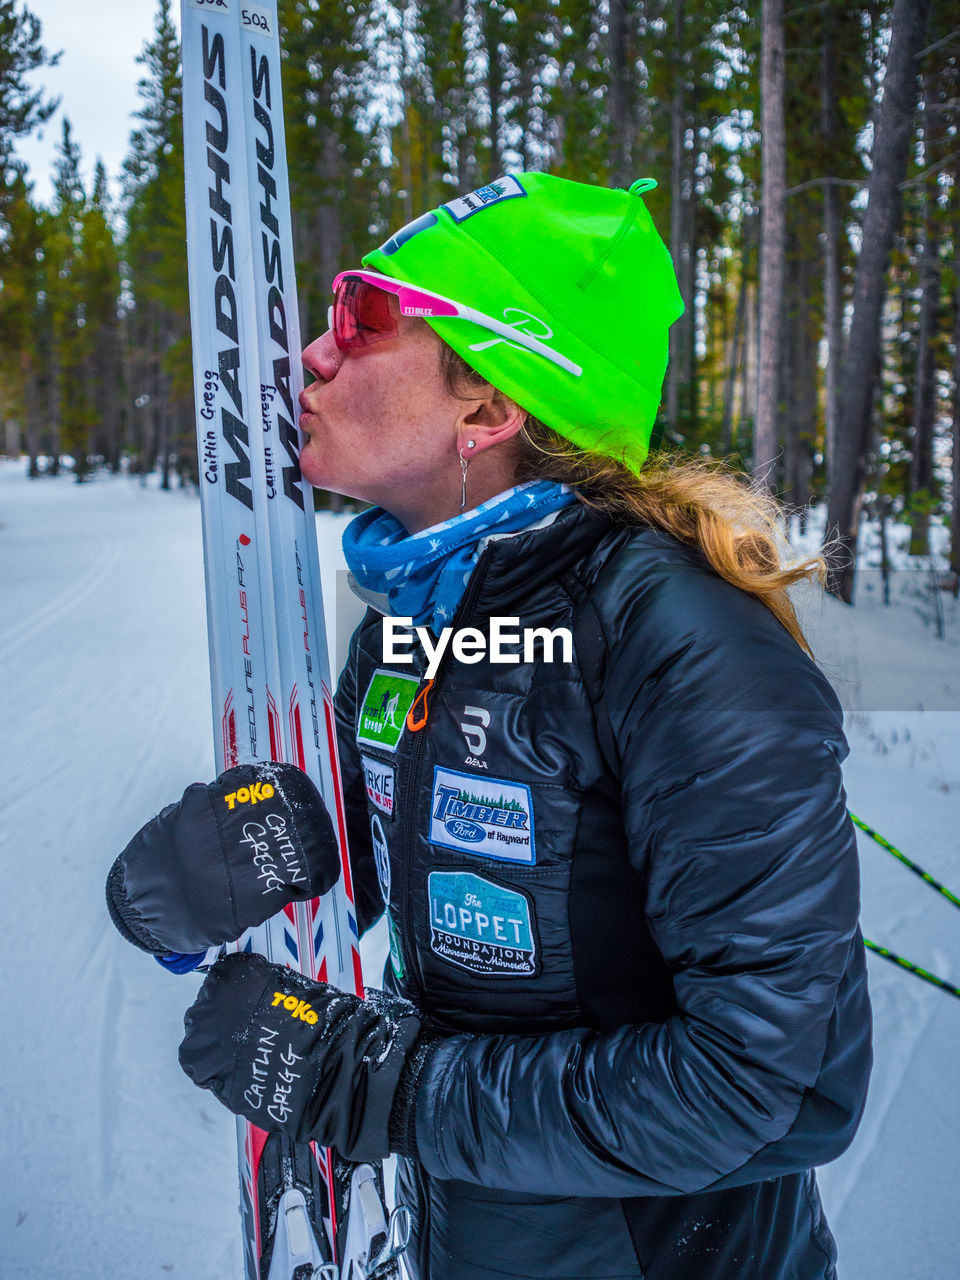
629,1010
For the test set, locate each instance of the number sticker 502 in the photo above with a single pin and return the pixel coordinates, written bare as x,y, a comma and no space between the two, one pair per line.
256,18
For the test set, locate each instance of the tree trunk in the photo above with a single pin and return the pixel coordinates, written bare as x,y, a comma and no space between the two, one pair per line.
772,241
330,228
491,33
619,96
165,401
458,110
31,408
924,403
689,267
54,407
127,370
832,294
735,357
406,161
748,389
790,372
110,393
808,391
955,504
884,546
787,418
676,212
893,131
525,94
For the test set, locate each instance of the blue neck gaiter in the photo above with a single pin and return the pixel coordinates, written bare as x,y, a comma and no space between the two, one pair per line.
423,575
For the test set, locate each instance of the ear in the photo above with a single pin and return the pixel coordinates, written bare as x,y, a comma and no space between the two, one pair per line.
493,421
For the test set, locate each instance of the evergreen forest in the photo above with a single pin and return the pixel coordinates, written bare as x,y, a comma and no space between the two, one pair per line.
808,165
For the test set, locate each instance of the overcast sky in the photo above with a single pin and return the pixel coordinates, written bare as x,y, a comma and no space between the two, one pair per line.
96,81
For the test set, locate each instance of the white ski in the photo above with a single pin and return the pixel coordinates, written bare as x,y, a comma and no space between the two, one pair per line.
270,676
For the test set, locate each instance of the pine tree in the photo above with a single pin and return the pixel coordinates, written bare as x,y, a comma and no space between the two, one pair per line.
21,312
159,366
100,286
68,416
22,107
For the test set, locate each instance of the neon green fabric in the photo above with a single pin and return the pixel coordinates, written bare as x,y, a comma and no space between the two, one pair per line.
580,267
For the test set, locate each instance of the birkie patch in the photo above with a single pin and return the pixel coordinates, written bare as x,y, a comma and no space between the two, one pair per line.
481,926
463,207
383,714
379,780
486,817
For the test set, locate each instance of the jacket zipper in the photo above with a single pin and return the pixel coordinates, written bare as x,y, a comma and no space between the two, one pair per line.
406,843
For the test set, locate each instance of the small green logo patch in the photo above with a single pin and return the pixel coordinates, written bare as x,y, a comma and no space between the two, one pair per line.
396,956
388,698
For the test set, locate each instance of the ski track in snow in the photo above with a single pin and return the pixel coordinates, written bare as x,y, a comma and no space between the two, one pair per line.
112,1163
58,608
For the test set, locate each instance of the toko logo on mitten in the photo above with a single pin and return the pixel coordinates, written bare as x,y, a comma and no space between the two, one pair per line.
253,794
296,1008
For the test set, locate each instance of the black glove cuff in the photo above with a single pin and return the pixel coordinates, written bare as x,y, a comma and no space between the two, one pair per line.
126,921
402,1126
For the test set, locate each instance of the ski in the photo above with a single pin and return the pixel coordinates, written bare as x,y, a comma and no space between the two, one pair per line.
304,1212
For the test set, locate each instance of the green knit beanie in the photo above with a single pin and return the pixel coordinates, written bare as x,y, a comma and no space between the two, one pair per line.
583,269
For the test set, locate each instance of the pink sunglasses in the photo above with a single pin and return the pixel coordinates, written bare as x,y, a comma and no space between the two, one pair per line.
360,315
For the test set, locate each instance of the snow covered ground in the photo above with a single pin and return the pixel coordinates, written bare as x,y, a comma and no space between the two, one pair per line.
111,1163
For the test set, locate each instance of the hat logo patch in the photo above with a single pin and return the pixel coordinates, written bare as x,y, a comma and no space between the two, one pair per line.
506,188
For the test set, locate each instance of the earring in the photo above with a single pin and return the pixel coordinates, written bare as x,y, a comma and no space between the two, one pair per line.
471,444
464,463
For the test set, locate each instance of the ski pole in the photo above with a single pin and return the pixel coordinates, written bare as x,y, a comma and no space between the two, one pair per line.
907,862
912,968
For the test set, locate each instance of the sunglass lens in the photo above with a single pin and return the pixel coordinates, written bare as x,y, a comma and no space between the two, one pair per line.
361,314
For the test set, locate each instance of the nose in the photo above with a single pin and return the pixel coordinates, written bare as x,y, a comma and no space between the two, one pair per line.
323,357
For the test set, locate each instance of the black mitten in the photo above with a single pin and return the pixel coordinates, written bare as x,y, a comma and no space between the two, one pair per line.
223,859
302,1058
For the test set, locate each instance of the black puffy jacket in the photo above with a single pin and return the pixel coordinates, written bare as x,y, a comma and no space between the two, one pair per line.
624,888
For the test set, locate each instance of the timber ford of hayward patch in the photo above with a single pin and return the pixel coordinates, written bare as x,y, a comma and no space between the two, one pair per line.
466,206
388,698
481,926
379,780
487,817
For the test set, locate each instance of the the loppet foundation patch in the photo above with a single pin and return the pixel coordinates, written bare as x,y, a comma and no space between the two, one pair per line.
486,817
482,926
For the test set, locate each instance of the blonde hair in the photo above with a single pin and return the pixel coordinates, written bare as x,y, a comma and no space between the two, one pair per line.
705,503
